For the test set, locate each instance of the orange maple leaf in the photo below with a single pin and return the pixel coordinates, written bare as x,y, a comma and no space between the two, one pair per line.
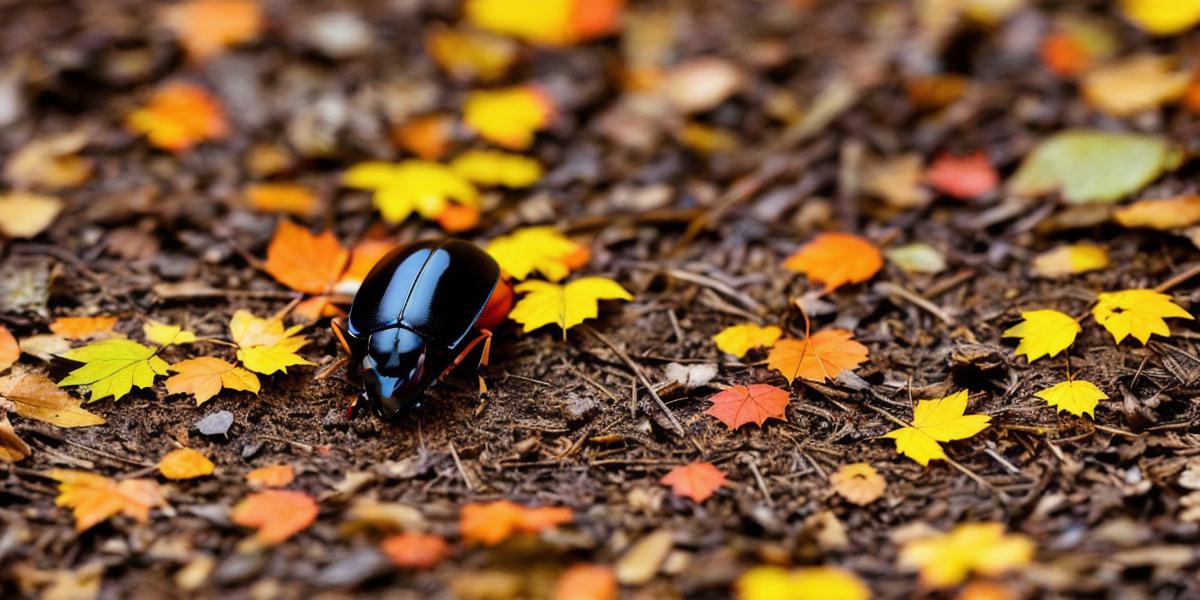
291,198
835,259
363,258
586,582
490,523
277,514
698,480
740,404
273,476
78,328
95,498
303,261
207,27
178,116
415,550
822,356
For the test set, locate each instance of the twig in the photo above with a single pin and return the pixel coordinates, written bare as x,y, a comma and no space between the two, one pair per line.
300,445
762,485
892,289
675,325
461,470
1178,278
99,452
1115,431
717,286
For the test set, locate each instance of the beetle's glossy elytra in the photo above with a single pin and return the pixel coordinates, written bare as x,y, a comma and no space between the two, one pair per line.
415,313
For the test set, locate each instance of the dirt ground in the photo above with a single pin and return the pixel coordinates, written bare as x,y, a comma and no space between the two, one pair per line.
565,421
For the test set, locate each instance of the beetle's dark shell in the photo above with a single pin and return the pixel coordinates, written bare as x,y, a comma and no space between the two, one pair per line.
437,289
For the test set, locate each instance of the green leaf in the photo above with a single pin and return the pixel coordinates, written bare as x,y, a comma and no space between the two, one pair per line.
113,367
1094,166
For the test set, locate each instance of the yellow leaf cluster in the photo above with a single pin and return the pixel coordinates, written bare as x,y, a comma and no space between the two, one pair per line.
1044,332
411,186
740,339
1136,312
264,346
1075,396
544,250
549,22
935,421
567,305
810,583
945,560
508,117
113,367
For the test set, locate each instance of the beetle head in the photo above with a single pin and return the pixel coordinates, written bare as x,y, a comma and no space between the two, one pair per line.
395,370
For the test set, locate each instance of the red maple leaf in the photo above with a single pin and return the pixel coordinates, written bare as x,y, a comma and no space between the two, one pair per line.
740,405
696,480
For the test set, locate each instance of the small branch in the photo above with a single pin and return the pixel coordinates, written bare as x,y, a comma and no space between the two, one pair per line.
892,289
461,470
762,485
1178,278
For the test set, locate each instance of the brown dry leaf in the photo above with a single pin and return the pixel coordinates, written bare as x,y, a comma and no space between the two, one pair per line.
12,447
490,523
835,259
207,27
415,550
821,357
896,181
26,215
271,476
303,261
45,347
642,561
702,83
1161,214
290,198
1134,85
51,162
95,498
185,463
10,350
82,328
276,514
858,483
205,377
35,396
586,582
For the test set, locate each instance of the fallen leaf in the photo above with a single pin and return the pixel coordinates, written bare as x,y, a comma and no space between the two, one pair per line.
586,582
697,480
205,376
985,590
1135,85
207,27
470,54
1162,214
1162,17
1137,312
821,357
10,350
305,262
934,421
51,162
113,367
165,334
740,405
963,177
95,498
411,186
1075,396
456,218
1093,166
918,257
1080,42
935,91
427,136
185,463
289,198
1043,332
495,168
490,523
809,583
858,483
701,84
945,560
567,305
1064,55
26,215
508,117
178,116
12,447
740,339
81,328
642,561
544,250
415,550
1070,259
271,476
276,514
835,259
36,396
387,517
45,347
896,180
550,22
363,258
264,346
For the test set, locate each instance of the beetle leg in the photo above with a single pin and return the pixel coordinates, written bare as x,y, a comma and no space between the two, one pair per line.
338,326
331,369
484,336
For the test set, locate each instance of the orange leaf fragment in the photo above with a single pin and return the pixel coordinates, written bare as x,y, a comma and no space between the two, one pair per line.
428,137
698,480
208,27
81,328
185,463
178,116
740,404
821,357
303,261
1163,214
363,257
415,550
95,498
205,377
456,218
963,177
276,514
835,259
10,350
1064,55
490,523
586,582
272,476
290,198
858,483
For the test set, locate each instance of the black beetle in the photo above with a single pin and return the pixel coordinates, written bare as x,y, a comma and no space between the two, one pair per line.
412,319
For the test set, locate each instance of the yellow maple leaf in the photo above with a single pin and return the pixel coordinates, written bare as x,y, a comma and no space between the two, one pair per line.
113,367
945,560
165,334
95,498
492,167
934,421
1044,332
1075,396
264,346
567,305
810,583
411,186
739,339
508,117
1137,312
185,463
1162,17
1070,259
205,376
542,249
